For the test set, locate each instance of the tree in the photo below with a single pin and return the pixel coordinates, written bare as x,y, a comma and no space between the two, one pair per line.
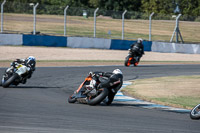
157,6
190,7
94,3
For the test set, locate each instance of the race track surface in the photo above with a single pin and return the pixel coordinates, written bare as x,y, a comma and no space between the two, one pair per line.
41,104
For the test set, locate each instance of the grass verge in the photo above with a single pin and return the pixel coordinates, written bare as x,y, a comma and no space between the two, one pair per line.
156,62
63,63
78,26
177,91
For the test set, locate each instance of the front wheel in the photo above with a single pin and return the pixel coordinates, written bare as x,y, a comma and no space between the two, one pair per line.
195,113
8,82
72,99
1,82
101,95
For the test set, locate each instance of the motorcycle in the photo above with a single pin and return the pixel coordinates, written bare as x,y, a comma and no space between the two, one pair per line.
195,112
90,96
132,58
14,75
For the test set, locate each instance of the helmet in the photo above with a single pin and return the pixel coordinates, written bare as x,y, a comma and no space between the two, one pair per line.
117,71
31,58
139,40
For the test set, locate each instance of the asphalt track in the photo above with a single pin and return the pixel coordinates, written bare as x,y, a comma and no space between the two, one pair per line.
41,105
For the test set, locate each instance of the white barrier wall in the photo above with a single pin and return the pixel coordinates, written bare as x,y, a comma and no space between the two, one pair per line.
175,48
99,43
11,39
84,42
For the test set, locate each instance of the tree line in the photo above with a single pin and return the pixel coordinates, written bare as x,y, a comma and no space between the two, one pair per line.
141,8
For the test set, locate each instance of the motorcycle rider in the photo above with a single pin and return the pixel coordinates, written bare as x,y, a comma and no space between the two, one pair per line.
29,62
138,49
107,79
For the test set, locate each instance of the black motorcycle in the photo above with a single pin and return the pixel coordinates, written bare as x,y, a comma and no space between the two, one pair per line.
133,57
195,113
92,96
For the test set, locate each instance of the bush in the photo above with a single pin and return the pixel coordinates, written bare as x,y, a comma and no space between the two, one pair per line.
197,19
187,18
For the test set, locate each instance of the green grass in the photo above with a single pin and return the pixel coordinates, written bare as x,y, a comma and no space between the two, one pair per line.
185,102
177,91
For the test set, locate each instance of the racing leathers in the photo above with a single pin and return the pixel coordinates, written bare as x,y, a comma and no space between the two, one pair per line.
108,80
138,50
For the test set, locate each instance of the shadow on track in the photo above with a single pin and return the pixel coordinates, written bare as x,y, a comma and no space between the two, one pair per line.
31,87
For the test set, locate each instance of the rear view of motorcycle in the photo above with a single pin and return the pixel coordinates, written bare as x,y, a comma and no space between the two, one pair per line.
14,75
195,113
131,58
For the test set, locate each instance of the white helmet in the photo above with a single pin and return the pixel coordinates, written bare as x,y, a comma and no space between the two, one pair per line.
139,40
117,71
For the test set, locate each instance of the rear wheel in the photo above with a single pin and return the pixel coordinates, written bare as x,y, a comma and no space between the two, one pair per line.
195,113
128,61
101,95
8,82
136,63
1,81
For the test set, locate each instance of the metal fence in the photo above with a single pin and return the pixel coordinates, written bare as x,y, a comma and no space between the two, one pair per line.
72,21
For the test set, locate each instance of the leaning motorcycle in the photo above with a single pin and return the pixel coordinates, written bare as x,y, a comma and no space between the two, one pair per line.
90,96
132,58
14,75
195,112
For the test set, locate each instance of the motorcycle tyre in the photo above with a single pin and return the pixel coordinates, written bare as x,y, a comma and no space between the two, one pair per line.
126,61
194,117
136,64
99,98
8,82
71,100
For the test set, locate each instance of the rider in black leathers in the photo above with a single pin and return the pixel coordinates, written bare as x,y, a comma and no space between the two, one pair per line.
137,49
29,62
108,79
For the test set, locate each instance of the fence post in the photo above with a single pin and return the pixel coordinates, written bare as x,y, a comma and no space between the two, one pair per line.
150,25
2,15
95,21
176,29
65,19
34,18
123,24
